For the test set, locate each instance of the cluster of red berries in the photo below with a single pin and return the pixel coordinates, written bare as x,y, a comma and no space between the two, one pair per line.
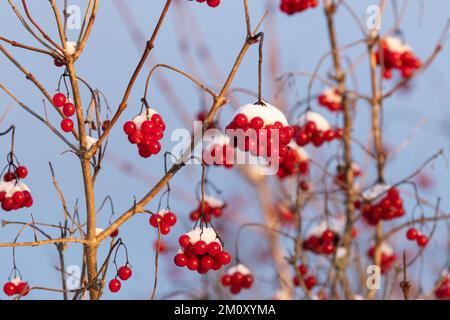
294,162
397,55
415,235
165,219
219,152
237,277
201,116
145,130
123,273
14,194
16,286
293,6
260,125
443,290
388,208
310,281
322,243
211,207
331,99
313,128
388,256
68,108
200,251
211,3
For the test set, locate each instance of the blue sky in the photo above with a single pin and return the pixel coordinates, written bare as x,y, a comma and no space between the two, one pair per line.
107,63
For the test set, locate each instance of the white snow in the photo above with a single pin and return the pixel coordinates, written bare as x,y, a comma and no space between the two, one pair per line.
334,224
321,123
396,45
301,151
206,234
239,268
146,114
386,249
90,141
13,186
332,96
213,201
268,113
375,191
71,47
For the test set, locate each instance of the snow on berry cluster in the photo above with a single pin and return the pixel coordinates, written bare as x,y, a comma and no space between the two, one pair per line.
314,128
396,54
294,162
212,206
331,99
293,6
388,207
323,237
412,234
237,278
443,289
210,3
388,256
165,219
309,280
16,286
261,125
201,251
219,152
123,273
60,100
14,194
145,130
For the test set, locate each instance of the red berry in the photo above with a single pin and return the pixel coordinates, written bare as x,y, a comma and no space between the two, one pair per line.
114,285
157,119
184,241
213,3
224,257
22,172
236,279
257,123
129,127
23,289
328,248
180,260
247,281
67,125
18,198
226,280
69,109
412,234
114,234
310,127
200,247
214,248
59,99
328,236
422,240
124,273
193,263
9,176
310,282
170,219
240,120
10,289
164,228
235,289
206,262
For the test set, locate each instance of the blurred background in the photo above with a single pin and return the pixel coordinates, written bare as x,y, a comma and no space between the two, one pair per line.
205,42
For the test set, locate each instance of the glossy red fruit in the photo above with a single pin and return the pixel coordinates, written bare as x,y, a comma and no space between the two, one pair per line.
226,280
69,109
114,285
257,123
422,240
236,279
240,120
59,99
213,3
115,233
200,247
164,228
170,219
181,260
129,127
328,236
193,263
124,273
328,248
67,125
10,289
22,288
18,198
247,281
206,262
310,282
223,257
235,289
22,172
9,176
184,241
412,234
214,248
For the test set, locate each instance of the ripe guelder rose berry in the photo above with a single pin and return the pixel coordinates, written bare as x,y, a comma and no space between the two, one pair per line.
14,194
323,237
219,152
294,162
310,280
443,289
314,128
145,130
414,235
395,54
201,251
388,207
388,256
262,130
165,219
293,6
237,277
16,286
331,99
212,207
68,109
210,3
